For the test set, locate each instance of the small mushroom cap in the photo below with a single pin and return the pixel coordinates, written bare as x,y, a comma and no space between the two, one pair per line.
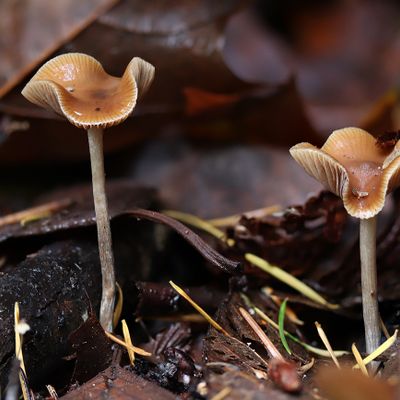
76,86
352,165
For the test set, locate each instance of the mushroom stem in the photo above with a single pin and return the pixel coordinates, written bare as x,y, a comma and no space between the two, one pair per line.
369,283
95,136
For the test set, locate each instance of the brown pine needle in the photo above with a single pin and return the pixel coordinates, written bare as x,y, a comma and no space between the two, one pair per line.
195,318
266,341
222,394
119,305
209,319
325,341
359,359
137,350
34,213
128,341
384,329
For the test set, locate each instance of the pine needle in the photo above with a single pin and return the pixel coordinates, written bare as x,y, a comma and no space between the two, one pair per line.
119,305
206,316
289,280
194,318
128,341
383,327
52,392
137,350
20,328
306,367
381,349
281,323
290,314
266,341
325,341
199,223
311,349
18,337
34,213
359,359
26,392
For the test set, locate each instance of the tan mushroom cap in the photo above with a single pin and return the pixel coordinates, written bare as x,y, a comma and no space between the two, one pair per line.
76,86
352,165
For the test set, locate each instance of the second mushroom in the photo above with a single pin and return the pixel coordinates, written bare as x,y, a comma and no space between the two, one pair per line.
355,167
76,86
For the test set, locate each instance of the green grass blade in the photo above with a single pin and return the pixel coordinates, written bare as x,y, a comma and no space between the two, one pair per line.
281,324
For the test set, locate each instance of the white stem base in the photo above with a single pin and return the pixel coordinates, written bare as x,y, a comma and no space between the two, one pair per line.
369,283
95,136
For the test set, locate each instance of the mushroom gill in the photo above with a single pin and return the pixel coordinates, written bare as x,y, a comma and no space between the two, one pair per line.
76,86
353,166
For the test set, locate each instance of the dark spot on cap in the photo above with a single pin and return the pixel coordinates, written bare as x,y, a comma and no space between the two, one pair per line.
97,109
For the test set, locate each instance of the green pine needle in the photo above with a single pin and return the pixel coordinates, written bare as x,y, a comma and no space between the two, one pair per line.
281,323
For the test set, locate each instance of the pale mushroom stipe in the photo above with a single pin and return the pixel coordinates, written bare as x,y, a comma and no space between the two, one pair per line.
76,86
356,168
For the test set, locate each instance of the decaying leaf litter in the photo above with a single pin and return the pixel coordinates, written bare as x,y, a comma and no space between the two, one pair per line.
225,306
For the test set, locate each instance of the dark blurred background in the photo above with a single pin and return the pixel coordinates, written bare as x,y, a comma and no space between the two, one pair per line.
237,83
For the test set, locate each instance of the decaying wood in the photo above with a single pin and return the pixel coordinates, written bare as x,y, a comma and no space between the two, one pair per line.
118,383
56,287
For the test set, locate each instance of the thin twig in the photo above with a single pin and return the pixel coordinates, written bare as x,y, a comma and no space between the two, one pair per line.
266,341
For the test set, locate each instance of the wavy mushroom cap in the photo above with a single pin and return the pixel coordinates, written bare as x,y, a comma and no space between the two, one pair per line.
76,86
353,166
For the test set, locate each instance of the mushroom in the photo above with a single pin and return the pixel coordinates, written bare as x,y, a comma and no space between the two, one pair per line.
76,86
355,167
